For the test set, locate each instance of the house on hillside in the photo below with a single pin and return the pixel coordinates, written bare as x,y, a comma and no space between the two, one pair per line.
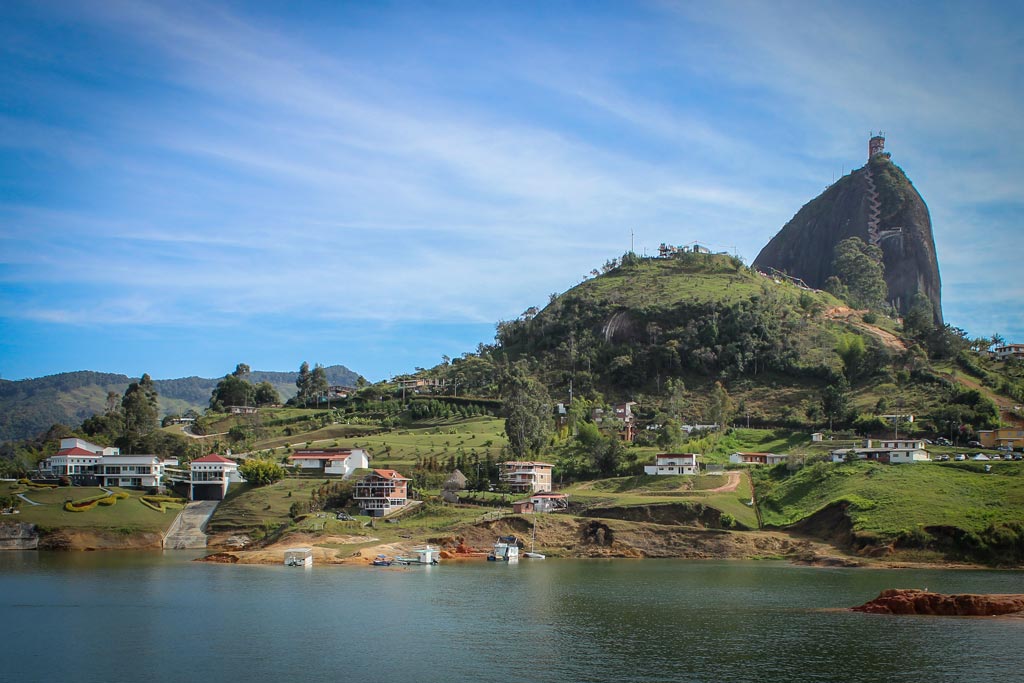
1012,437
674,463
210,476
526,476
889,451
1007,351
769,459
242,410
542,502
341,462
381,492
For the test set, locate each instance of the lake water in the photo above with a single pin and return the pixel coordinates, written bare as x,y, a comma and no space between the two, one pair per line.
159,617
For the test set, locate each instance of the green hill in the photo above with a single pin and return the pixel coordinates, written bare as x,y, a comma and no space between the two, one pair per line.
28,407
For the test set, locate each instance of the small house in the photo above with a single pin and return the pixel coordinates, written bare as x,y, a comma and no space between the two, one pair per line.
210,476
541,502
770,459
341,462
673,463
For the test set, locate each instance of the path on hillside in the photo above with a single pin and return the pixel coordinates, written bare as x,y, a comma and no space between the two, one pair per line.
187,531
848,316
731,485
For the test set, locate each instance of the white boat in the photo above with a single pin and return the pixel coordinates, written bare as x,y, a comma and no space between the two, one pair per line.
425,554
506,549
533,555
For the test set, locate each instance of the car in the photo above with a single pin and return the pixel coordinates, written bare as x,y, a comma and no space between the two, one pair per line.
943,441
929,442
959,456
996,457
345,517
974,444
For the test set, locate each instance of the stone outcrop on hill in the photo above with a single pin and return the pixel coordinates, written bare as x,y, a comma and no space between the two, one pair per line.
878,204
909,601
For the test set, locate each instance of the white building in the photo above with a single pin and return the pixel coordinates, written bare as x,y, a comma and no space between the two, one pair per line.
673,463
135,471
893,451
340,462
542,502
77,459
210,476
526,476
1008,351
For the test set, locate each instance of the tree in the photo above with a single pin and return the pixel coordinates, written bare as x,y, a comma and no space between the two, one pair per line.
721,405
852,350
266,394
834,399
141,407
527,412
670,435
232,391
312,384
858,265
260,471
920,319
241,370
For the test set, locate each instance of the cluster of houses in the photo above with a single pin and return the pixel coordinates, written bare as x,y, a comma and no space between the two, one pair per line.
891,451
86,464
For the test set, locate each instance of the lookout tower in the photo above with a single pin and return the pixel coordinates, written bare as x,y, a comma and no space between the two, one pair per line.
876,145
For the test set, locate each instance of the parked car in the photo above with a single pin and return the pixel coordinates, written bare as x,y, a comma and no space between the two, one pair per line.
943,441
345,517
959,456
996,457
974,444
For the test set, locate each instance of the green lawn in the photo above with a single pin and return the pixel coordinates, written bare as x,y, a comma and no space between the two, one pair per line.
249,507
129,513
892,499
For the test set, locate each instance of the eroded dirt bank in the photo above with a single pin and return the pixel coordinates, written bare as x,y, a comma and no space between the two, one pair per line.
909,601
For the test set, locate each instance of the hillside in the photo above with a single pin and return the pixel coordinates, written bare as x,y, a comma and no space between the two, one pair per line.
30,406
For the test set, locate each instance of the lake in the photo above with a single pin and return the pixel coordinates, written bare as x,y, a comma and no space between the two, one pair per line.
160,617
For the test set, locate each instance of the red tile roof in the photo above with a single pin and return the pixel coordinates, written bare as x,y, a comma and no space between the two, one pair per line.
389,474
213,457
76,451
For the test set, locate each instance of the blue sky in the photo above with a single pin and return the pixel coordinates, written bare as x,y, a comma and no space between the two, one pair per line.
186,186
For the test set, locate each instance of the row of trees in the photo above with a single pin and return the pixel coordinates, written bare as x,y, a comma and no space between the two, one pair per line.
236,390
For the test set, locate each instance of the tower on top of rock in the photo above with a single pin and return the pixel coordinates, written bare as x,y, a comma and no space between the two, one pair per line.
876,145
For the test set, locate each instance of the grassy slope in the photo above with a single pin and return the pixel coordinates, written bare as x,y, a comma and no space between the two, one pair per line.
652,490
889,500
129,513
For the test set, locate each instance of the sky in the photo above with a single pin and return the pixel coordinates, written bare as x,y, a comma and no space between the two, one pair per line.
188,185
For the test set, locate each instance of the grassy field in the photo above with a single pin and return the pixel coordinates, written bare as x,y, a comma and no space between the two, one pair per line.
889,500
481,436
127,514
652,490
248,507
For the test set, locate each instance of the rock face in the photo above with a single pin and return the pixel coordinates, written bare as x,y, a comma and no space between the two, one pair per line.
903,601
18,536
878,204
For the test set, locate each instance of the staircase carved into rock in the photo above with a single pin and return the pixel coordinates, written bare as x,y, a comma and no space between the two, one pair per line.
874,208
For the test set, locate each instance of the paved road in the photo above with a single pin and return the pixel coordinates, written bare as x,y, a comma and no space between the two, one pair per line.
187,530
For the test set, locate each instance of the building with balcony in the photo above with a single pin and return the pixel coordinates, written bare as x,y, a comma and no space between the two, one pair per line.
674,463
526,476
131,471
77,460
381,492
210,476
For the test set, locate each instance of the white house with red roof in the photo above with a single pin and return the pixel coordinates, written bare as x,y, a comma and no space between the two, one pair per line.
210,476
382,492
340,462
674,463
526,476
77,460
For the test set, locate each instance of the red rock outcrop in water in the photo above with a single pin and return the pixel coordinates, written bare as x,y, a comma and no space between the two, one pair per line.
910,601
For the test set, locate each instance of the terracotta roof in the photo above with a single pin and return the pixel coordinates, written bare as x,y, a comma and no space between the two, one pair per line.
77,451
388,474
213,457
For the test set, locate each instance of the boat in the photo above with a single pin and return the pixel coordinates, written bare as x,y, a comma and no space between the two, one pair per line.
382,561
533,555
425,554
506,549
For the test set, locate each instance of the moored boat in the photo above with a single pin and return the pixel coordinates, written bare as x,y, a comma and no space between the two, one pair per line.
506,549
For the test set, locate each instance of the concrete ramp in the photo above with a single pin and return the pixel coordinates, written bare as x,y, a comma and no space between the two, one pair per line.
187,531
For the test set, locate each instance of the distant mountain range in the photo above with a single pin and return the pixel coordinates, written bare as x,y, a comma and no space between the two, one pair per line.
30,406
